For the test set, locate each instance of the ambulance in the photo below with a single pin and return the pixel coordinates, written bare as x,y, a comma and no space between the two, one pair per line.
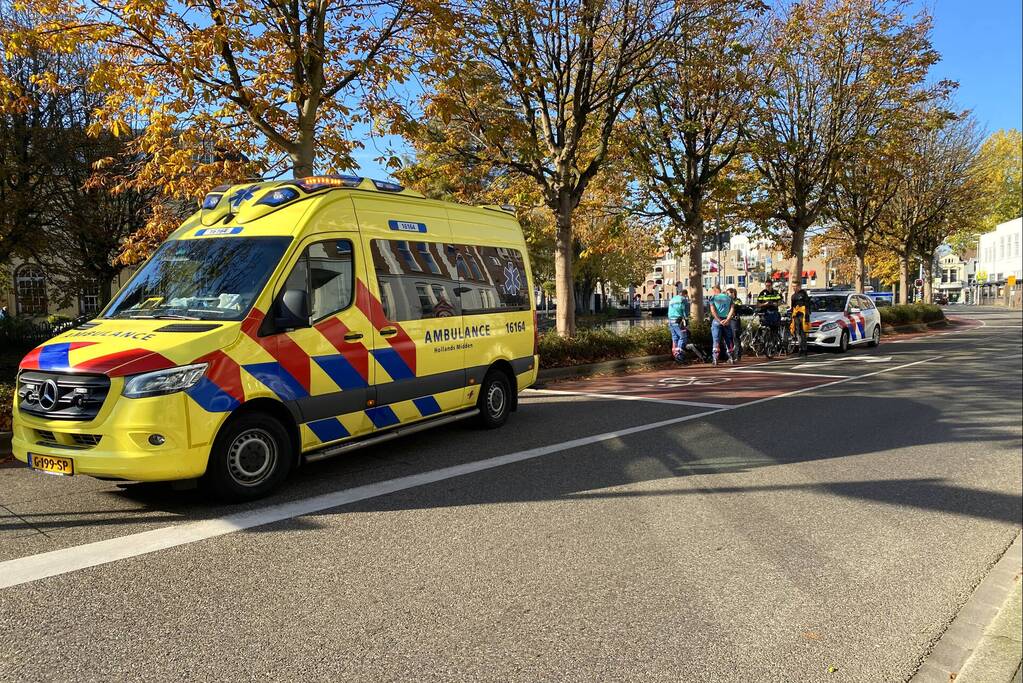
283,323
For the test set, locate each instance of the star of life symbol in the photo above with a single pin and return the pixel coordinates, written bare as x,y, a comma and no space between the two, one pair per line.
512,280
242,195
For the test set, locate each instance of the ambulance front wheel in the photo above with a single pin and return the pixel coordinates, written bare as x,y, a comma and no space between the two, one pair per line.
250,457
495,399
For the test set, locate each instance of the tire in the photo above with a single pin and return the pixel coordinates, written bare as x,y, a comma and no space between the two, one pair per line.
875,337
843,342
250,457
495,400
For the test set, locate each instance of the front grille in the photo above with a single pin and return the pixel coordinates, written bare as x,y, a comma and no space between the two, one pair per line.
62,396
46,436
86,440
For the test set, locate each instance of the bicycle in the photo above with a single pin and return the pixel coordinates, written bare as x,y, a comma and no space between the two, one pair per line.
764,339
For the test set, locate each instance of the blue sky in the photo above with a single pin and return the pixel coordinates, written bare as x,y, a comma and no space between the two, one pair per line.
981,43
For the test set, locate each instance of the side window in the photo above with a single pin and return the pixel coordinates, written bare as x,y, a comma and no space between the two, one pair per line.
326,270
866,303
410,291
492,279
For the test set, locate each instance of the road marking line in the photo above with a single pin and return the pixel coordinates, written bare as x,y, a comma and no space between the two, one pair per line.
629,397
785,372
65,560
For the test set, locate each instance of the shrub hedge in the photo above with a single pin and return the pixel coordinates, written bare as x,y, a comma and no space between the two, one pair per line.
600,344
905,314
6,404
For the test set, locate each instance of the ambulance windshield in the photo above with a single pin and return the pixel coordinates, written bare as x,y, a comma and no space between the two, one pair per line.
201,279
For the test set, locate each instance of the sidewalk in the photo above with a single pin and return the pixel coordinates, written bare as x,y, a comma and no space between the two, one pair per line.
983,644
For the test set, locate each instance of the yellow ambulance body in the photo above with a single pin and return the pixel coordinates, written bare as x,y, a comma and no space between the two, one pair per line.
286,322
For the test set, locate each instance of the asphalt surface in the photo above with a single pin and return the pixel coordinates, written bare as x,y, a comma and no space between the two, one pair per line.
828,529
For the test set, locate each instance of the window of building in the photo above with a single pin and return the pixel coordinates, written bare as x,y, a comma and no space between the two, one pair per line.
424,252
406,255
30,290
88,300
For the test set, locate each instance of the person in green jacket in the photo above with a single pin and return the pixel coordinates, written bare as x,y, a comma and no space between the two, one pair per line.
678,324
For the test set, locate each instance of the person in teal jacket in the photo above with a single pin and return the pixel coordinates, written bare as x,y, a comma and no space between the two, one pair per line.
678,323
722,308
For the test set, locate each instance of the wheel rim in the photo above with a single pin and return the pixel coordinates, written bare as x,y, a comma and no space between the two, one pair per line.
496,400
252,457
877,336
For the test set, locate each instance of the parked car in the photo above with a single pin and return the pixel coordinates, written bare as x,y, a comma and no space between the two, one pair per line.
840,319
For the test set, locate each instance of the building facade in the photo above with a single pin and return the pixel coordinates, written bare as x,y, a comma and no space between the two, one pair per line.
30,293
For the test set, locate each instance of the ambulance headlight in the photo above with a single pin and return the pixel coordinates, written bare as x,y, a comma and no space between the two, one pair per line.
163,382
828,327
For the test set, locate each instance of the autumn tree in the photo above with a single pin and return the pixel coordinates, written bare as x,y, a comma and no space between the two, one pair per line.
939,190
687,126
834,68
226,89
1000,164
535,88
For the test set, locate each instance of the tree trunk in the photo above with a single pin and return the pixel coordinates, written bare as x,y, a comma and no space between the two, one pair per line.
903,280
563,277
928,280
303,155
695,232
861,266
798,243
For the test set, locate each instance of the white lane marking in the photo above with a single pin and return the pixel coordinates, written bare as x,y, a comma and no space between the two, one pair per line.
66,560
844,359
626,397
794,374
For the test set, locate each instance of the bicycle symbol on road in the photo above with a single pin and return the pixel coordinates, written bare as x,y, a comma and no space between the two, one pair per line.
676,382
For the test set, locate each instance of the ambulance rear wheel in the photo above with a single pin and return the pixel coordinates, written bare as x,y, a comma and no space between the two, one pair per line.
494,400
250,457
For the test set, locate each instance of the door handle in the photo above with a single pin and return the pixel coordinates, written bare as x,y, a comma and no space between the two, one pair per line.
388,331
353,336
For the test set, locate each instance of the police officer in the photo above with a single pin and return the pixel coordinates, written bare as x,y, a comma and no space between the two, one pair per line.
768,301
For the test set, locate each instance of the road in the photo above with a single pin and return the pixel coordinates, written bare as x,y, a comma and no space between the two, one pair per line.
818,519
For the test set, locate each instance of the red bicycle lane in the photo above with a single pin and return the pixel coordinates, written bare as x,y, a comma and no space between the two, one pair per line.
703,384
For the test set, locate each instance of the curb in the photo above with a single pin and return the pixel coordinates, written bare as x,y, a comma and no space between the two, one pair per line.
975,643
914,327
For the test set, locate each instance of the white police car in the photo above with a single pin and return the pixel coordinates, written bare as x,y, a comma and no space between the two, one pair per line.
840,318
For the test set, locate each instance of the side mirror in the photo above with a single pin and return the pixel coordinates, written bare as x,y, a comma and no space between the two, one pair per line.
854,309
292,310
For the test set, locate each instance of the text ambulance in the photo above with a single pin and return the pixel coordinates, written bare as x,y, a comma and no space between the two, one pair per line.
283,323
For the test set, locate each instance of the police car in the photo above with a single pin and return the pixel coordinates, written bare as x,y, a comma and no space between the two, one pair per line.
840,318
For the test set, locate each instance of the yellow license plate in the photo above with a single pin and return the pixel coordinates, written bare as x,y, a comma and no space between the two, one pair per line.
51,464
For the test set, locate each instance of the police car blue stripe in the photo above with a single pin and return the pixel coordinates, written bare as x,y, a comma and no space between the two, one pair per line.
54,357
341,371
278,380
211,397
329,429
382,416
393,364
427,405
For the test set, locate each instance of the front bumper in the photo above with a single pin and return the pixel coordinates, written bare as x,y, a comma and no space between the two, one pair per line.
116,444
826,340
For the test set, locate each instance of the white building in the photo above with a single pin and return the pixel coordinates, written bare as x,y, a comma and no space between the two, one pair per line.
999,255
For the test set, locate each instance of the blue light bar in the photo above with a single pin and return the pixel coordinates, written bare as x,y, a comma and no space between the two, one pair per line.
282,195
211,201
387,186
